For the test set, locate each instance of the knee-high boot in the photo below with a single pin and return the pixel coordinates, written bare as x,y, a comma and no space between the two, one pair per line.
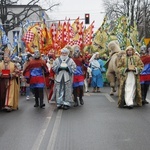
36,102
75,94
41,95
81,95
36,94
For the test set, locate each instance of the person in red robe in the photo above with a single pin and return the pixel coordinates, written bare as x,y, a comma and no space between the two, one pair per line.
145,74
78,78
35,72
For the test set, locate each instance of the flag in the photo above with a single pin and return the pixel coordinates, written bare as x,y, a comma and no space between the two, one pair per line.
64,34
45,39
69,31
0,38
122,31
76,34
31,38
38,37
53,34
43,17
88,35
100,38
59,36
28,37
14,53
4,37
15,39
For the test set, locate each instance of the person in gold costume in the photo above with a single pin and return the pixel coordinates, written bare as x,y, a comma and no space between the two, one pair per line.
9,84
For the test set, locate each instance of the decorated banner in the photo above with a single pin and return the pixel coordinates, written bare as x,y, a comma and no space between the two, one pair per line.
120,30
38,37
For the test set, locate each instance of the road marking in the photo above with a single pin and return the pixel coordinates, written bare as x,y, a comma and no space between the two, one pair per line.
87,94
105,94
41,134
53,136
109,98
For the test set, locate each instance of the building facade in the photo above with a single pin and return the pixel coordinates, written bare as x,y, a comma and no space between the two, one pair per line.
28,13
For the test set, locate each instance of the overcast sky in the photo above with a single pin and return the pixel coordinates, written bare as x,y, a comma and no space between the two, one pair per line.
75,8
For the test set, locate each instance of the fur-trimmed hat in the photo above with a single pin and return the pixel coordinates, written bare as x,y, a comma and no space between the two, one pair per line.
69,48
65,50
130,47
76,48
37,54
143,49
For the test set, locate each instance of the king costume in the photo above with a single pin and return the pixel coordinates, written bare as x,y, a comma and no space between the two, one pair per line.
35,72
64,68
9,84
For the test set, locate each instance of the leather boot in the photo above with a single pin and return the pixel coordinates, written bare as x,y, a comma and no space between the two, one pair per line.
41,103
81,101
76,103
36,103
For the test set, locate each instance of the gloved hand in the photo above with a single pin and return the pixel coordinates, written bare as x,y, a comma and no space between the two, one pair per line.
67,69
59,69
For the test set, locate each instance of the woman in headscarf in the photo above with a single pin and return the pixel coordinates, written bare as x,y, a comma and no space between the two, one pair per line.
97,67
130,67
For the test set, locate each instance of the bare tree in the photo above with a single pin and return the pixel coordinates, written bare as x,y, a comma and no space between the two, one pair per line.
136,10
5,13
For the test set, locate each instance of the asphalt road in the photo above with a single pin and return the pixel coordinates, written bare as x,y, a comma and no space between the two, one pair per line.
97,125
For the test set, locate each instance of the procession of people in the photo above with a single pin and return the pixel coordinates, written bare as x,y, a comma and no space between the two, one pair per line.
65,78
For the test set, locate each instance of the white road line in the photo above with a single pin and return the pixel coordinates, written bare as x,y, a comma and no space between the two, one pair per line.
51,143
109,98
41,134
87,94
105,94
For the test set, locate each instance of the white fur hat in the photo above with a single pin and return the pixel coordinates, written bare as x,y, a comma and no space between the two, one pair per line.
65,50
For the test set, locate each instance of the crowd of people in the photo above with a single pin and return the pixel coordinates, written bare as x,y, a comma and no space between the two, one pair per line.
69,75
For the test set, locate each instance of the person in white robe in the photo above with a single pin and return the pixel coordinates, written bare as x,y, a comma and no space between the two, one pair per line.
130,67
64,68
